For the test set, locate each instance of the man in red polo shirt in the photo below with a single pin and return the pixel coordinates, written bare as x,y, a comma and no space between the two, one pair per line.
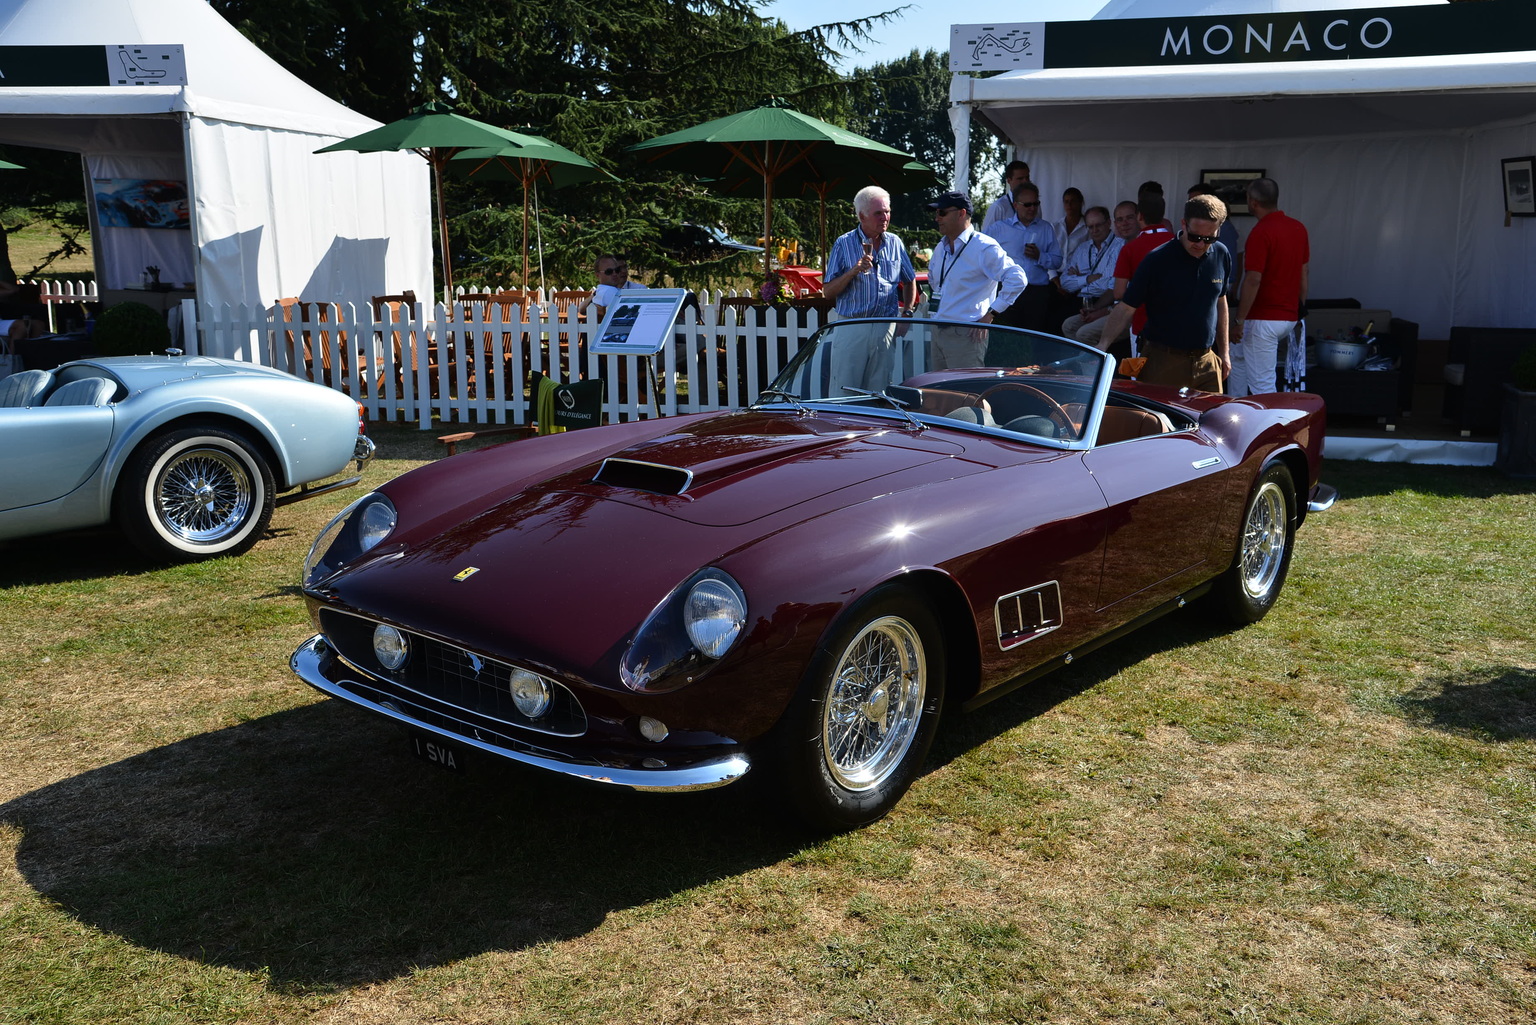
1274,287
1152,208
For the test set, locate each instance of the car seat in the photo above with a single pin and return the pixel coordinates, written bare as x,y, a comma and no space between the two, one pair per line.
25,389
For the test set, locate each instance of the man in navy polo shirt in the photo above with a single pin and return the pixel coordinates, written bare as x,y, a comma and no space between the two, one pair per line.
1182,285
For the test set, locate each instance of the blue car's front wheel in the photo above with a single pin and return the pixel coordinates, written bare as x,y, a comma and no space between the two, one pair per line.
194,493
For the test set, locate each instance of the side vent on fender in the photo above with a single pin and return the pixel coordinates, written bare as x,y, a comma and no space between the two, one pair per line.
1028,614
640,476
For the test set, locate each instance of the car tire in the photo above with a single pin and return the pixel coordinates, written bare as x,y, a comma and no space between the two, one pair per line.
1267,535
852,746
195,493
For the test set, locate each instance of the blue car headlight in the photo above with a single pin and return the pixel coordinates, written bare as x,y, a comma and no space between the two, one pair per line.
359,527
691,629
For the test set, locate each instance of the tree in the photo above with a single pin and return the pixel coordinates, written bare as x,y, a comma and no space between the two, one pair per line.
45,192
905,104
594,78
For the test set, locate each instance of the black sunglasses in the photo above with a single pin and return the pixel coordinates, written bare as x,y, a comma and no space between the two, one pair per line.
1204,239
614,270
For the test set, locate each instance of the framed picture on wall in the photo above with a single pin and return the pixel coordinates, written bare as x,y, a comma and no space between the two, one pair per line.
1519,188
1231,188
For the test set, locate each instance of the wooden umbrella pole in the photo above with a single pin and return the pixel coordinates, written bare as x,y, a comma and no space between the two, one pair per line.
767,210
525,233
442,226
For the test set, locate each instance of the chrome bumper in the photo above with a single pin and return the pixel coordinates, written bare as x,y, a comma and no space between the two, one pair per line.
1322,499
315,656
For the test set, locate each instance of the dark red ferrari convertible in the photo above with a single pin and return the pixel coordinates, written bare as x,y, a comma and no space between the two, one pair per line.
801,589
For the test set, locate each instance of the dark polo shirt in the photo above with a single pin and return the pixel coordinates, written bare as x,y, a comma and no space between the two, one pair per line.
1179,294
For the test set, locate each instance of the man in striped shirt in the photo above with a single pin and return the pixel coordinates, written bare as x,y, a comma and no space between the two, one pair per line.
869,274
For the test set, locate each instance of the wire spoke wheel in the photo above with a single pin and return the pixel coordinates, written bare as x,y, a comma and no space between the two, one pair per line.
203,494
194,493
1265,541
874,705
1249,588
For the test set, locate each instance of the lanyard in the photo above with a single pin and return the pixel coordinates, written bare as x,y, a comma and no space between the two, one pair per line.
1095,264
945,265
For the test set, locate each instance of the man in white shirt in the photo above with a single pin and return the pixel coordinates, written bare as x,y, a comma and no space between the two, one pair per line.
1014,175
612,278
972,280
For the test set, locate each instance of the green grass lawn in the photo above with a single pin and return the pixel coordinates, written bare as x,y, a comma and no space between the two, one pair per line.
1325,817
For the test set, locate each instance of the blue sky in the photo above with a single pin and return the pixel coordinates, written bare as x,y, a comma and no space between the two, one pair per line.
924,25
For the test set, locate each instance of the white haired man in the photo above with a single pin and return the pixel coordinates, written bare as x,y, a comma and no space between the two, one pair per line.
869,274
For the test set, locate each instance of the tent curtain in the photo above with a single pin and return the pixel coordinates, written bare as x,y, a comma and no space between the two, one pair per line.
1412,223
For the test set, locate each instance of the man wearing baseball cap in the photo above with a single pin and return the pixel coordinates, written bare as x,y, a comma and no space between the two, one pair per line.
972,281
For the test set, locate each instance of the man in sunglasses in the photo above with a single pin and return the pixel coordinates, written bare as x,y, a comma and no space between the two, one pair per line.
1181,287
612,278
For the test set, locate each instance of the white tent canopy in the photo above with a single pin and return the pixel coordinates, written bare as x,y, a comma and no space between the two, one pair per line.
1393,163
268,217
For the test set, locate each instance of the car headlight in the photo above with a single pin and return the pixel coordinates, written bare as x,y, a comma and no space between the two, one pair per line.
390,647
356,529
694,626
530,693
714,614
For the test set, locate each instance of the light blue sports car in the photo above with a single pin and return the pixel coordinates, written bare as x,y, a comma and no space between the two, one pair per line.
186,454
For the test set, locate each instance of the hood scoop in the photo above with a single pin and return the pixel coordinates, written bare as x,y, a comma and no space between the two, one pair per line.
636,475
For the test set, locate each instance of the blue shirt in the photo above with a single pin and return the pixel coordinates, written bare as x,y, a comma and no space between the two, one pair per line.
1180,294
877,293
1013,235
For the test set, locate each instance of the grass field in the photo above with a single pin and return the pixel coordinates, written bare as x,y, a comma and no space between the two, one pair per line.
1323,818
31,245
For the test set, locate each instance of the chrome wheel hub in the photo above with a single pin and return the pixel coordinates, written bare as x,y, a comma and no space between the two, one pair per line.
874,704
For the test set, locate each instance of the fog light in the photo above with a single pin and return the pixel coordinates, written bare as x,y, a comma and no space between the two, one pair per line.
653,729
530,693
390,647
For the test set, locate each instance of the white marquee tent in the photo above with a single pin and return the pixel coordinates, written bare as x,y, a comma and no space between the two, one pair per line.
1393,163
268,217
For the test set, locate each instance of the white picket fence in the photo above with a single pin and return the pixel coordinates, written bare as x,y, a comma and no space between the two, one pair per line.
55,292
470,363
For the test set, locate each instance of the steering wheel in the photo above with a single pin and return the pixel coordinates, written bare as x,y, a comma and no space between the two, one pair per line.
1053,409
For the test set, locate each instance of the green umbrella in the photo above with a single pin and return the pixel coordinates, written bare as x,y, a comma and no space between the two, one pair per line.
909,177
438,134
529,160
6,165
776,143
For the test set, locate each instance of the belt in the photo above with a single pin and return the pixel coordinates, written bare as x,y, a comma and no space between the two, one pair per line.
1185,353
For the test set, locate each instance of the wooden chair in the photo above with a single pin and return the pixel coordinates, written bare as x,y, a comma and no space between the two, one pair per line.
310,313
490,353
396,309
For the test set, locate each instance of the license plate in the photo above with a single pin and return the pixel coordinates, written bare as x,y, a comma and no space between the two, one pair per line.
437,751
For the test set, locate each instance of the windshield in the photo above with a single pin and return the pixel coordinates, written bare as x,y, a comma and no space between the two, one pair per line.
936,372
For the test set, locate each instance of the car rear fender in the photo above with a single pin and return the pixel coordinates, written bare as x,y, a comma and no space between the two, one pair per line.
292,463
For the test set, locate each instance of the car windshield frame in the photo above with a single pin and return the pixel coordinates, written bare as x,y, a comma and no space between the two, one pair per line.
883,369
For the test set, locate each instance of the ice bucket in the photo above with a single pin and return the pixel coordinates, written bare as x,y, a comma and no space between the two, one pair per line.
1340,355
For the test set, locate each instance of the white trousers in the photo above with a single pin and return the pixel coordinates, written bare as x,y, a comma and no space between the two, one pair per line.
1253,361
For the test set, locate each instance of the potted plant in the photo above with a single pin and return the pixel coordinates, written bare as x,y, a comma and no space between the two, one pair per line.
1517,424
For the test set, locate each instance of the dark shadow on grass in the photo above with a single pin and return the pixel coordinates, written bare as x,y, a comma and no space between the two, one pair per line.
311,845
90,554
1356,478
960,732
1494,703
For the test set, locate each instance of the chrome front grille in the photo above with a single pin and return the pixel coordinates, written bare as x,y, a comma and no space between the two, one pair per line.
449,675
